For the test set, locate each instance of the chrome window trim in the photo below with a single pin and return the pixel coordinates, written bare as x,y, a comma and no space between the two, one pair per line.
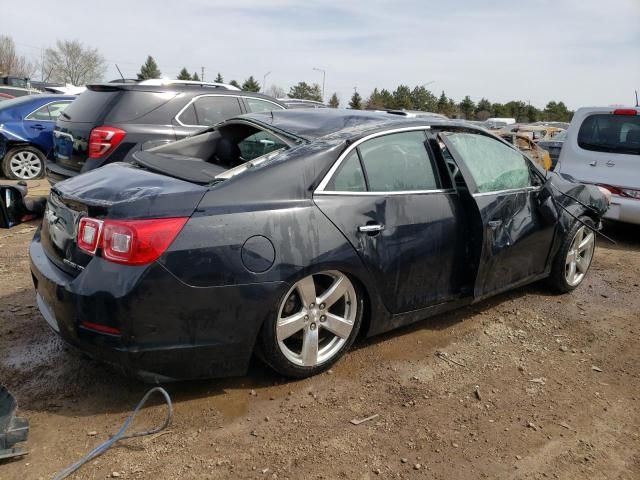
386,193
322,185
41,107
510,190
193,100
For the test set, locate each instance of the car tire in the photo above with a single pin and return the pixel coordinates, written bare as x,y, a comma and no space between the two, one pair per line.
313,325
574,258
23,163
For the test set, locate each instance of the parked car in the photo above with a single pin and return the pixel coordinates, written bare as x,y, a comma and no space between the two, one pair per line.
110,121
26,140
602,147
302,103
5,96
290,233
554,147
527,146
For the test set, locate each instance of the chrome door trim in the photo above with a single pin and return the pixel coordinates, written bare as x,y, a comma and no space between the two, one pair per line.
237,97
507,191
350,148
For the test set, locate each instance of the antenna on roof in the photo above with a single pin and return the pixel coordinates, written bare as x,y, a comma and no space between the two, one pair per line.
122,76
637,105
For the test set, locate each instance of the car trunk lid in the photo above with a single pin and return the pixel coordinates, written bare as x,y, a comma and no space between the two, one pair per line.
116,191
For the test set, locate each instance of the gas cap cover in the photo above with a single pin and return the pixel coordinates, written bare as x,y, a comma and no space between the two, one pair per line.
258,254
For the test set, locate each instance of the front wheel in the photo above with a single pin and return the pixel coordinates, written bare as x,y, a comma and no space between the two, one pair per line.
574,257
317,321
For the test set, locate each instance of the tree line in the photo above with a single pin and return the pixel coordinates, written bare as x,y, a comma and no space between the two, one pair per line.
72,62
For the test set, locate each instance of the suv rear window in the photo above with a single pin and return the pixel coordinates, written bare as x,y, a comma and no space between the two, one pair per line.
610,133
120,105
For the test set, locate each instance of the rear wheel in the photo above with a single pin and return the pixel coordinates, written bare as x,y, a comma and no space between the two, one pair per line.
316,322
574,257
23,163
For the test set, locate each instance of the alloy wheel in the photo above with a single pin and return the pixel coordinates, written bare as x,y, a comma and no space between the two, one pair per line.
579,255
25,165
316,318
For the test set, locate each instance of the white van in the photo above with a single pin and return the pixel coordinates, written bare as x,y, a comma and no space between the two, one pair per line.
602,147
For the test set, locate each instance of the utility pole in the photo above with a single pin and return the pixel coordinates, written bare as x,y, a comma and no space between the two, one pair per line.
324,74
264,82
202,74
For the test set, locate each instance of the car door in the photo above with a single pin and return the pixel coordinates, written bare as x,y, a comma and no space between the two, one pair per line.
387,196
39,124
205,111
516,240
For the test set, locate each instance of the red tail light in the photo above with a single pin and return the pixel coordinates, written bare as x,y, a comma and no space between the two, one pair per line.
103,140
625,111
131,242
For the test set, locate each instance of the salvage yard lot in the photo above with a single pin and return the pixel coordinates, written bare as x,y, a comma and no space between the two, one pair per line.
557,380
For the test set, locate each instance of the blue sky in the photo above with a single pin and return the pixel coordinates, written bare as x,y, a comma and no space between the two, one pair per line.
585,52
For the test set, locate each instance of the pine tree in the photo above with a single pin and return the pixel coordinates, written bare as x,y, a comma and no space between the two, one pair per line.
251,85
234,83
443,103
356,101
195,77
149,70
184,74
305,91
219,78
467,108
334,101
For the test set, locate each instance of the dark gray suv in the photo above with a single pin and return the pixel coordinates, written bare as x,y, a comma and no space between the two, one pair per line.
111,121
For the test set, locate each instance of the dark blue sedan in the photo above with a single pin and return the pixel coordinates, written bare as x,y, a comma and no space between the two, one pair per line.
26,138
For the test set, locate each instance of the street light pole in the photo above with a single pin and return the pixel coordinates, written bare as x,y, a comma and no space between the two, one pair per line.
324,74
264,82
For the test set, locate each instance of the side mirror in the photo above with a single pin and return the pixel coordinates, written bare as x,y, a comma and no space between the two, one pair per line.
12,207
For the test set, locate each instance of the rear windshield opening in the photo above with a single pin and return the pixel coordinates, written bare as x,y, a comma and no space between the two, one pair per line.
610,133
213,155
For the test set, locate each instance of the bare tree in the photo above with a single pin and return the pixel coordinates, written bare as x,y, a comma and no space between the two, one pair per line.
12,63
71,62
276,91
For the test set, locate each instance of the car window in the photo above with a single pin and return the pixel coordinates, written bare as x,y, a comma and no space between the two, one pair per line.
212,110
55,109
259,144
188,116
610,133
493,165
256,105
42,114
398,162
349,177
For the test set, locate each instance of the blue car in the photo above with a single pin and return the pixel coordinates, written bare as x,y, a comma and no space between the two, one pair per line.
26,133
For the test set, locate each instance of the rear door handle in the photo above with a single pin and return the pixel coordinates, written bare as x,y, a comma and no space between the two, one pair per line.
37,127
373,228
493,224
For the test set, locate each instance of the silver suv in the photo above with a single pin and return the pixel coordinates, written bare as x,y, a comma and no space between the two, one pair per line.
602,147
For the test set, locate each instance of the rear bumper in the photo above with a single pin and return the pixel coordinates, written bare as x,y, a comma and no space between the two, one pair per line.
169,330
624,209
56,173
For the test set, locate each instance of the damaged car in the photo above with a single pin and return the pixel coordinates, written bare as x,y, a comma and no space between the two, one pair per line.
288,234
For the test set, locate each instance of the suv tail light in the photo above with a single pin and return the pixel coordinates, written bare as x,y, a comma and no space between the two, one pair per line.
103,140
130,242
623,192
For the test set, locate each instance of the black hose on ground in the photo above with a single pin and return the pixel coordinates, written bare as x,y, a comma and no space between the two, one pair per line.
100,449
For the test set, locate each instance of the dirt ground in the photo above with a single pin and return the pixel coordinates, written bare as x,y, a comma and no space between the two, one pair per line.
557,381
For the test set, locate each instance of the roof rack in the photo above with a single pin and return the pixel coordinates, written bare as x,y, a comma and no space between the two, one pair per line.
158,82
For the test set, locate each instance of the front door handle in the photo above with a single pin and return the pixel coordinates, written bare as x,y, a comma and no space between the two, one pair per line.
493,224
37,127
373,228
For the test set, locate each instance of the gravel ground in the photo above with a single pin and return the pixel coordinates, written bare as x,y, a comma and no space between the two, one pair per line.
526,385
